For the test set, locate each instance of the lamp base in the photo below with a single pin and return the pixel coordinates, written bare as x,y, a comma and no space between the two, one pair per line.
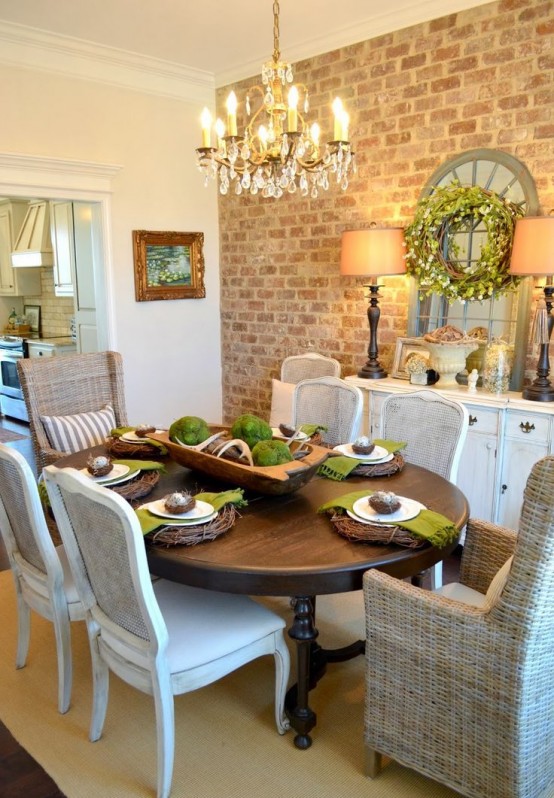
372,371
539,393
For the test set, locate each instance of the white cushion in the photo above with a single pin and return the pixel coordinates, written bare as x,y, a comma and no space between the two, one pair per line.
458,592
282,398
73,433
218,623
499,580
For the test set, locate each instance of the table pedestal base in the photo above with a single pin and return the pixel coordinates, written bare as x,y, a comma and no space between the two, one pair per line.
311,664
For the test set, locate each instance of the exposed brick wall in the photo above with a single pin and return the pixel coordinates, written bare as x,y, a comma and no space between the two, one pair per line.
416,97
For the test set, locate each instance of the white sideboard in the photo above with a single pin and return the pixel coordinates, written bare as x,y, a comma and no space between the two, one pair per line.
506,436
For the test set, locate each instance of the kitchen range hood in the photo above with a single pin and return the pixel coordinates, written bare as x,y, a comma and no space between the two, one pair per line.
34,245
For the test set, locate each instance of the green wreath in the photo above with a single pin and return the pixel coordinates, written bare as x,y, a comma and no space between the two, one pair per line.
432,250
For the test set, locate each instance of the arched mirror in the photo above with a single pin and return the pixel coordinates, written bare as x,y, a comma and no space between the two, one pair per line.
505,316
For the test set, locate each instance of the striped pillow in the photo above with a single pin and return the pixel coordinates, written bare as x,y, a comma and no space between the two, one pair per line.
73,433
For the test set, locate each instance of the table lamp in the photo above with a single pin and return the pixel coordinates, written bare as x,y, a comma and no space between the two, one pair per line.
533,255
373,253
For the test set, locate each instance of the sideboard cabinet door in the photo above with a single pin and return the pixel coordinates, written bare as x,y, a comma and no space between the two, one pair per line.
527,438
477,469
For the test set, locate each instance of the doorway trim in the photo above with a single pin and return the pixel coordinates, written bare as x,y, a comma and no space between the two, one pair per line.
42,177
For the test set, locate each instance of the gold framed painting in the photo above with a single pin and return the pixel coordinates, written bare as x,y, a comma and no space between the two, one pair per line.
168,265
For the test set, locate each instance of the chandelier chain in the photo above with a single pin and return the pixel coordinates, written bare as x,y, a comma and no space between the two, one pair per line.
276,49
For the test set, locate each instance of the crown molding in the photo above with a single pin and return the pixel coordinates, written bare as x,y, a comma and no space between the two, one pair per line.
375,25
32,48
35,173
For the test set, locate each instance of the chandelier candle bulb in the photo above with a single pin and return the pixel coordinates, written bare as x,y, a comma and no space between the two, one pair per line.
293,113
338,110
232,114
220,133
344,129
206,122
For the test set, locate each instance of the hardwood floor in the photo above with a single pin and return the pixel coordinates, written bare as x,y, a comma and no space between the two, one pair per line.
20,775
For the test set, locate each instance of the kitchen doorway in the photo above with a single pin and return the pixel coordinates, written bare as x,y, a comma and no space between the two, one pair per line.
53,179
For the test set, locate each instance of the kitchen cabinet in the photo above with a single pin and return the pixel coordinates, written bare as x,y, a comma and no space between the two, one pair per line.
14,281
76,240
51,347
506,436
61,228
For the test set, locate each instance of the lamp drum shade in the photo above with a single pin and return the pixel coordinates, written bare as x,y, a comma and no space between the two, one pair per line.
533,246
376,251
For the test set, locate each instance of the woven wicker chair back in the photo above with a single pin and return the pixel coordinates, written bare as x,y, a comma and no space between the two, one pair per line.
528,597
308,367
433,427
331,402
477,683
101,547
18,527
58,386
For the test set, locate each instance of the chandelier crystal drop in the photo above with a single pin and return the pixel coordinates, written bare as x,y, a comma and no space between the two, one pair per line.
278,152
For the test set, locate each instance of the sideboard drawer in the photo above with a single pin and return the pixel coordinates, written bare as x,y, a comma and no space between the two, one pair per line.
527,426
483,419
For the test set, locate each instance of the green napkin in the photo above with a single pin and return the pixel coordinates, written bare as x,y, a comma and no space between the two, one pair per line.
117,432
311,429
149,522
143,465
433,527
339,467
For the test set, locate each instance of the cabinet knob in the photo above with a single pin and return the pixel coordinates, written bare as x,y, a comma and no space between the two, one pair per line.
526,427
472,420
504,488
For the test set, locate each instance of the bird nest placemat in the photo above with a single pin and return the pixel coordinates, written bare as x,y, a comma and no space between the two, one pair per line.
373,533
174,535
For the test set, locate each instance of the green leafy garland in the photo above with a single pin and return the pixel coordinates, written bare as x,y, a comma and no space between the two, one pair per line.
432,251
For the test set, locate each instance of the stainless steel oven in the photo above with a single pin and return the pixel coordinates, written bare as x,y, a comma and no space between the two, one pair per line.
11,396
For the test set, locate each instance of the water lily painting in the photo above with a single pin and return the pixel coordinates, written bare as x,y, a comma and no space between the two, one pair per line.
168,265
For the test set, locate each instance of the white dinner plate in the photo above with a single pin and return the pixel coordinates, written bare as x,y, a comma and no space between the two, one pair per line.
132,437
301,436
119,473
378,455
200,513
408,509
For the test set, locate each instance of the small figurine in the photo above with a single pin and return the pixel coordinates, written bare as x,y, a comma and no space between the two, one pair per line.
472,378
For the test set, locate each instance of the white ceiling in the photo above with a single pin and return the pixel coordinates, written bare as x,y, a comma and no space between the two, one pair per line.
227,38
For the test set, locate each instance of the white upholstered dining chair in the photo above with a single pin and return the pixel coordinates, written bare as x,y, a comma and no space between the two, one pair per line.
459,682
331,402
161,637
294,369
434,428
308,366
43,581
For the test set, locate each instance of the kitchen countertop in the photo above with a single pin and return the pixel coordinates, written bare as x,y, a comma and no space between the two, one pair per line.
60,341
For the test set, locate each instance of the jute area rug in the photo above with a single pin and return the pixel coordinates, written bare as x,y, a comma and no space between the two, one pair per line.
226,742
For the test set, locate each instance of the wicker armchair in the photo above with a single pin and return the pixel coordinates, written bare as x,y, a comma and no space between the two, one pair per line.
462,694
58,386
331,402
308,367
435,430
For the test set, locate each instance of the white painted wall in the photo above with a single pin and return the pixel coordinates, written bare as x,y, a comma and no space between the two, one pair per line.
171,349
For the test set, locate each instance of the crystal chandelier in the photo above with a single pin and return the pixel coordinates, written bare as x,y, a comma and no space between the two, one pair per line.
278,152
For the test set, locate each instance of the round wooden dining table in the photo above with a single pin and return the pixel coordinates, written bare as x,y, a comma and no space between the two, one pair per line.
282,546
